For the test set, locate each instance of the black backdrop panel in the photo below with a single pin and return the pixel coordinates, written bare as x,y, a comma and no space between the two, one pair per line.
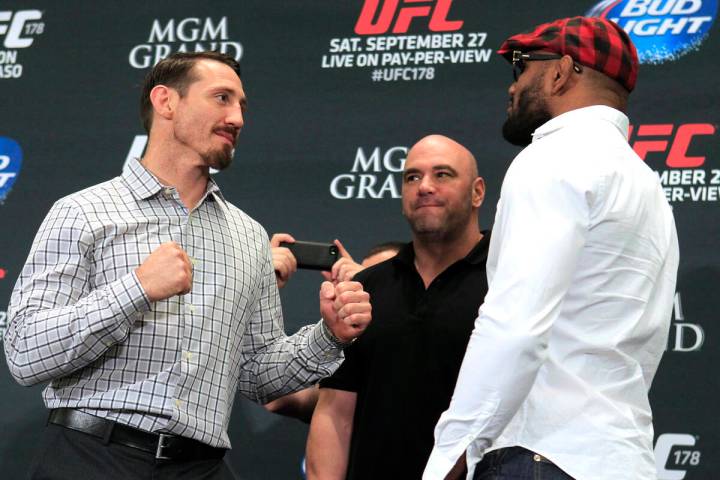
337,93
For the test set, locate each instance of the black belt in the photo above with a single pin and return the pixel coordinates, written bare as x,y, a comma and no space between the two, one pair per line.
162,446
497,456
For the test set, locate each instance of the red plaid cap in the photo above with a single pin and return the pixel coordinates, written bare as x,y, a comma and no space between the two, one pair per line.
595,42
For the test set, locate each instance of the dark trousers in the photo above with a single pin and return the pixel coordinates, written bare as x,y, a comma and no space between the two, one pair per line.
517,463
65,454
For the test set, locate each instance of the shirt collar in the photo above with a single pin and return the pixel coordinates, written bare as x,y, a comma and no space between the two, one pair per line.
478,254
141,182
144,184
595,112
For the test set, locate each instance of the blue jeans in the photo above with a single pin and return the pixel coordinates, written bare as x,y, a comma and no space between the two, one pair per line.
517,463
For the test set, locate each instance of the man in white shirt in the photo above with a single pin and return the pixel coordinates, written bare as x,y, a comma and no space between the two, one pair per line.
581,269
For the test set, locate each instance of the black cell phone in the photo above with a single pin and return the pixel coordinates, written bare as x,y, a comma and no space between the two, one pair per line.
313,255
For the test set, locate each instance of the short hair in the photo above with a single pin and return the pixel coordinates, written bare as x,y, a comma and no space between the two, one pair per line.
382,247
175,72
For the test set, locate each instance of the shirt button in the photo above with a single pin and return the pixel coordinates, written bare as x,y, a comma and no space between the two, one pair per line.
187,355
191,307
194,261
168,192
178,403
537,458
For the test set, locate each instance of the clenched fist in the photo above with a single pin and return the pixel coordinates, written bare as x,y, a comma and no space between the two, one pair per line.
166,272
345,308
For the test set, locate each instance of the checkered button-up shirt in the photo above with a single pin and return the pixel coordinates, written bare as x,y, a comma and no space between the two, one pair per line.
80,319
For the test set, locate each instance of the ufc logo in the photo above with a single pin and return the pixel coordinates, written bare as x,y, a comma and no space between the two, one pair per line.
19,25
659,138
665,455
403,16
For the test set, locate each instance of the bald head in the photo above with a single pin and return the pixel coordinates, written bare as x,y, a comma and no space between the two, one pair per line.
442,146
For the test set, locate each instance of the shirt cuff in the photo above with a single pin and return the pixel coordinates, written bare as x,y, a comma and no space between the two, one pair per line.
323,341
437,467
129,296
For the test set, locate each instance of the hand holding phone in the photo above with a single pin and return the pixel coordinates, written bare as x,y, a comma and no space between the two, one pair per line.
283,260
313,255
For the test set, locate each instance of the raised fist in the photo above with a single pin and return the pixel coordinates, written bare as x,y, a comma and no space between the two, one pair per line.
166,272
345,309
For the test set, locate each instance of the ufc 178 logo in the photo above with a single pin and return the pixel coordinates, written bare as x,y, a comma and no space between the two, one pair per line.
20,28
674,455
378,16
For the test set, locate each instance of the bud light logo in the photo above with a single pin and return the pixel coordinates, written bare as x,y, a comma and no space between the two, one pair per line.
662,30
10,162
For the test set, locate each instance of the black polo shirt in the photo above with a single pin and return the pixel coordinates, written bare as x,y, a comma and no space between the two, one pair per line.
405,365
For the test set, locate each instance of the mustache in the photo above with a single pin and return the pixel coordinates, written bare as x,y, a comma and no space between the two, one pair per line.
426,202
228,129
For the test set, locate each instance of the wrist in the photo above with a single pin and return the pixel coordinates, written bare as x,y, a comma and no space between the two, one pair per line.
334,339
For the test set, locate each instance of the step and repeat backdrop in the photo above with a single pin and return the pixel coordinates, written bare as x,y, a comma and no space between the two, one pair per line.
338,91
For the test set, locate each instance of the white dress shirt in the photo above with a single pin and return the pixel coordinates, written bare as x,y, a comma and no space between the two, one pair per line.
582,269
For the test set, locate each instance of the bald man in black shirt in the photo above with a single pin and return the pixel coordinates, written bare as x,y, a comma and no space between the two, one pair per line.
376,414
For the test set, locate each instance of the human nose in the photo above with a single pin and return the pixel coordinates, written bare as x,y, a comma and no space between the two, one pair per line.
236,118
426,186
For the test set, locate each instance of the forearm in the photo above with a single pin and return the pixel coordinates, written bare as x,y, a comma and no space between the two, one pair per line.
289,363
44,343
298,405
328,443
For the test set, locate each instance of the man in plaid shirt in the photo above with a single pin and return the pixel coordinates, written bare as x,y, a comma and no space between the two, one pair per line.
148,300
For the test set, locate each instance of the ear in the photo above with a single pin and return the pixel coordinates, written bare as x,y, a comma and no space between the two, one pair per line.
164,101
562,75
478,192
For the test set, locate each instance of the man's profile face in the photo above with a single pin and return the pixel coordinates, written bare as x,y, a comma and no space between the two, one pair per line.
527,108
210,115
437,190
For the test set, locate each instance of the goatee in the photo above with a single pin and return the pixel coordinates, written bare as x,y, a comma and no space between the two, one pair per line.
220,159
